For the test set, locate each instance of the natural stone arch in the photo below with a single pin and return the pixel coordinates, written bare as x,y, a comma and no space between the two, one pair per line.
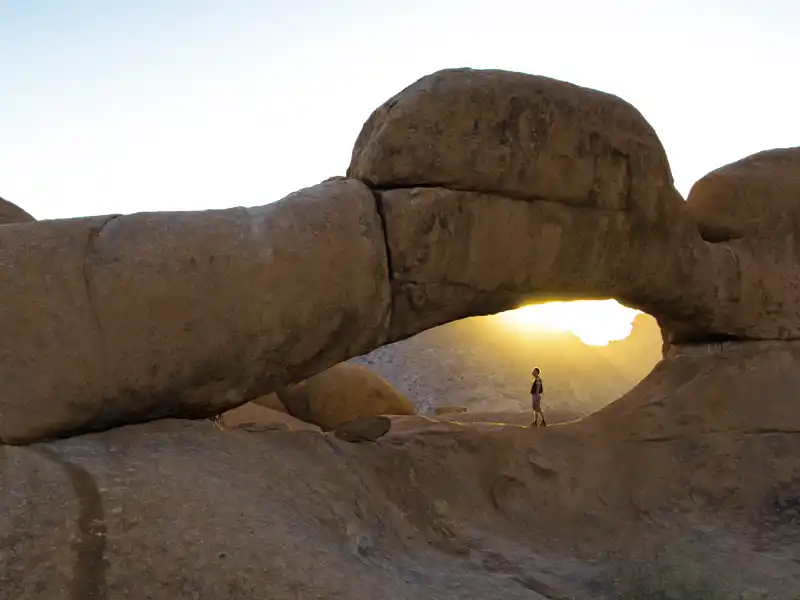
552,163
488,189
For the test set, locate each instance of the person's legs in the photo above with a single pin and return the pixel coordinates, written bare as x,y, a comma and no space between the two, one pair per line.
535,400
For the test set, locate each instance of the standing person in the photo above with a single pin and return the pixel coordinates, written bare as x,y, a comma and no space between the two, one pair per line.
537,389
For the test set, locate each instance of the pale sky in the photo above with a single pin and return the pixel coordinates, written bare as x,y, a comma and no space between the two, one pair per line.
119,106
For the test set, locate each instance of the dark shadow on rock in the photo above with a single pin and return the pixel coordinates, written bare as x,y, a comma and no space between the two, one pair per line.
89,571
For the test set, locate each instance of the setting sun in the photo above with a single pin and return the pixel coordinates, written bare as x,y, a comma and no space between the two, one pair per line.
595,322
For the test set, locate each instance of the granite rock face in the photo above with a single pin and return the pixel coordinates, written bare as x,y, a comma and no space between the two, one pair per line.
116,320
749,212
500,188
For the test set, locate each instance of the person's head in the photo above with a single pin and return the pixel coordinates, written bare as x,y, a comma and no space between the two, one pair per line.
535,371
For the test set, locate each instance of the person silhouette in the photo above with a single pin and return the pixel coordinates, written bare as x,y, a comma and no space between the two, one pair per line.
537,389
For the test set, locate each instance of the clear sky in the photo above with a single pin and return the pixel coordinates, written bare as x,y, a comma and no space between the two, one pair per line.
114,106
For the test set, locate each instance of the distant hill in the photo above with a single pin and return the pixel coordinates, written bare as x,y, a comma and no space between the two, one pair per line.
486,366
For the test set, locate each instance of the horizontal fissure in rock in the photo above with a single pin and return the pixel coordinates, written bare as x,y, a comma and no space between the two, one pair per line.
499,193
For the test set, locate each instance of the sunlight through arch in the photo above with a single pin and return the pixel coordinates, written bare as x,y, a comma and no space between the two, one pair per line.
595,322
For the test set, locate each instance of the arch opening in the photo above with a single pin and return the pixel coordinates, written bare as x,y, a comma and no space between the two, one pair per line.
591,352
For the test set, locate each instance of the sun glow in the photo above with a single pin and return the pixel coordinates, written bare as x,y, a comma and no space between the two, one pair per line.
595,322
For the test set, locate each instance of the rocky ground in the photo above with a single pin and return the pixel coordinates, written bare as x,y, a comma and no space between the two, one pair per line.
182,509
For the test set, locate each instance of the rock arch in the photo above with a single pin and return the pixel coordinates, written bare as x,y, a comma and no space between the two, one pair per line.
468,193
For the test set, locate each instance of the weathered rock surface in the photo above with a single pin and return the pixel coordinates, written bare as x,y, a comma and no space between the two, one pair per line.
576,185
257,415
750,211
757,197
343,393
128,514
270,401
363,429
448,263
449,409
11,213
436,509
519,136
115,320
731,387
538,163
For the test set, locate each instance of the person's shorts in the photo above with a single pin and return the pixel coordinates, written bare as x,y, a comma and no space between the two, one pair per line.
536,400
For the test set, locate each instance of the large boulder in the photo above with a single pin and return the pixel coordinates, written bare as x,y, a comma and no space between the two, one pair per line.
755,197
11,213
271,401
343,393
115,320
749,212
515,135
363,429
252,414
